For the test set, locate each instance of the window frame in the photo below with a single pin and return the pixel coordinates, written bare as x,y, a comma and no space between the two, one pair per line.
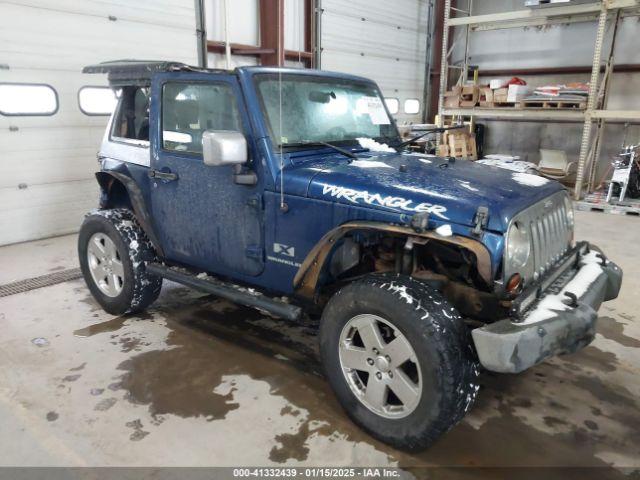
133,142
39,84
187,153
392,98
404,106
102,87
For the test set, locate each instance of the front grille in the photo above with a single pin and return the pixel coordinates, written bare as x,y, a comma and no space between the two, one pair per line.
549,233
549,236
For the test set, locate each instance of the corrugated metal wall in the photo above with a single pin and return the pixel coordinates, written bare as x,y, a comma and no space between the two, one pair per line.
48,162
47,181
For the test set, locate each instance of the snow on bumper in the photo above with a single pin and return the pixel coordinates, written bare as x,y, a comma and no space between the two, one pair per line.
555,325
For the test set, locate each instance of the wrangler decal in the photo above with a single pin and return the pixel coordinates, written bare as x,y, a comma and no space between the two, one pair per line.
359,196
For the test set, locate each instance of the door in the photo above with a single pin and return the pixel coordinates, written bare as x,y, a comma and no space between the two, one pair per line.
203,218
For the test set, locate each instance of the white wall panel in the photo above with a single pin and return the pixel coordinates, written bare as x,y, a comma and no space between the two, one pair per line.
243,21
48,162
378,39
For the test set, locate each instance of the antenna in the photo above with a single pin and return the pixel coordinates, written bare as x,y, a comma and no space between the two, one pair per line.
283,207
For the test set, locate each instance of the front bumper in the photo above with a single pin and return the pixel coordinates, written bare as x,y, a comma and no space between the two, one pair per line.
554,317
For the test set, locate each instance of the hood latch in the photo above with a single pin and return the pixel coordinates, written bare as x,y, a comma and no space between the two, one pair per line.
481,219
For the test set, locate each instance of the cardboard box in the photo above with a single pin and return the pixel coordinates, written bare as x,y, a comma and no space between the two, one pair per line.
452,97
486,97
517,92
497,83
469,96
500,95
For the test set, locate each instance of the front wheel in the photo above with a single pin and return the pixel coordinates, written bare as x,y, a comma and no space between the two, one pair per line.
113,251
399,359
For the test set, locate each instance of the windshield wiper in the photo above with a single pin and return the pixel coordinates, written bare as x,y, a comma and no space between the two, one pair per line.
400,146
324,144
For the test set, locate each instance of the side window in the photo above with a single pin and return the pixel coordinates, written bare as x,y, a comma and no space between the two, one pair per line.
188,109
132,120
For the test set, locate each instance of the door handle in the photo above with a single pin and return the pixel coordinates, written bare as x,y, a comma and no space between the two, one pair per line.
166,176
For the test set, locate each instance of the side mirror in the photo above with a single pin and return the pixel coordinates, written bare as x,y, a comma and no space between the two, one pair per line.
223,147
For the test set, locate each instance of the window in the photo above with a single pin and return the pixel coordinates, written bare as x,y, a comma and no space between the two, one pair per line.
189,109
411,106
132,120
393,105
322,109
96,100
27,99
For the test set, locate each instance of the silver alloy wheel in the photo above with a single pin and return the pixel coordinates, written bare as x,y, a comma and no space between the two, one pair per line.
380,366
105,264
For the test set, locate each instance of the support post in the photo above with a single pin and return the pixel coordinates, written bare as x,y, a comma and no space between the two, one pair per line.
444,62
272,32
591,102
201,33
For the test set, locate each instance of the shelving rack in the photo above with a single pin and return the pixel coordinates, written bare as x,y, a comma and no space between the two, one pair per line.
599,11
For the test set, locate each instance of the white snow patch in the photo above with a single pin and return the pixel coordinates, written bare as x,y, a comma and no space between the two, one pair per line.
551,304
374,146
423,157
529,180
370,164
467,185
444,230
400,290
134,245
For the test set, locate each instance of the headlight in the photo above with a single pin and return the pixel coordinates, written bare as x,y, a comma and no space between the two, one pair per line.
518,246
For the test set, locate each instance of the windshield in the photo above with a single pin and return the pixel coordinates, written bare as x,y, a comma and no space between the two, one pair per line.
322,109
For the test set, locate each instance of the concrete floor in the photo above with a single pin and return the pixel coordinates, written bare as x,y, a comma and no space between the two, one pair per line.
197,381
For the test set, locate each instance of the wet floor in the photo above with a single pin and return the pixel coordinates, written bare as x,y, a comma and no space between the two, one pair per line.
563,413
199,381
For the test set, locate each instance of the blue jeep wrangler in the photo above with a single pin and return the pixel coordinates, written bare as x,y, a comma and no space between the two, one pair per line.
290,190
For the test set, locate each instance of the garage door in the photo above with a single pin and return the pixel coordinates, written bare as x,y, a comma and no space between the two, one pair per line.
382,40
48,160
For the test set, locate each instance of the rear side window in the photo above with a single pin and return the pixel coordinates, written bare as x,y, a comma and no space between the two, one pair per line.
96,100
132,120
27,99
188,109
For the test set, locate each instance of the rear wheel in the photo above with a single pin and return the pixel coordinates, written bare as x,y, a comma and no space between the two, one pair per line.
399,358
113,252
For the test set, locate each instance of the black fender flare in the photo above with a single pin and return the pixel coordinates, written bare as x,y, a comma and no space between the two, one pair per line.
106,179
305,283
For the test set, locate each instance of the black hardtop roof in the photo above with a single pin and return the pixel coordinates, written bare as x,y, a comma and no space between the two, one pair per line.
138,72
122,73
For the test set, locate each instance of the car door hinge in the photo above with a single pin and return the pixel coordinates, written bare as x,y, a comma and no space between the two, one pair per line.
254,251
481,219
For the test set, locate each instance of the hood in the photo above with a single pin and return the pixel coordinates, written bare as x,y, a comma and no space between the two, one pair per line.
451,191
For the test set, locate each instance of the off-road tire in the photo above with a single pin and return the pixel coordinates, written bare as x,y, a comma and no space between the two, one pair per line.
442,344
140,289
